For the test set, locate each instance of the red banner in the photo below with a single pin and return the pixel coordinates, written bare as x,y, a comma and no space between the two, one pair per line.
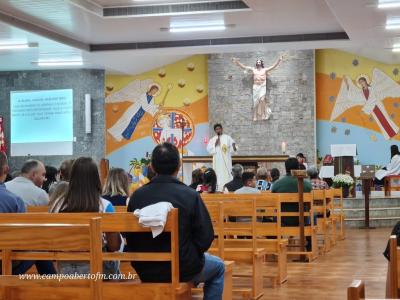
2,138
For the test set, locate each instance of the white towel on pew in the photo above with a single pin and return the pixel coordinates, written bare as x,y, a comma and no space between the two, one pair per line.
154,216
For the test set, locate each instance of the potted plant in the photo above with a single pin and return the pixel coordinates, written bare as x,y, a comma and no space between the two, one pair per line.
344,181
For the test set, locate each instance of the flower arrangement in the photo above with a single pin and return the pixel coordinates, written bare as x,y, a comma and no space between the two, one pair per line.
342,180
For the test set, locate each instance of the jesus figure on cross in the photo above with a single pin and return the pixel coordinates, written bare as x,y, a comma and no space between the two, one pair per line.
261,111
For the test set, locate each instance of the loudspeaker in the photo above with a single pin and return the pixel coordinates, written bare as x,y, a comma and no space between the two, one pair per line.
88,113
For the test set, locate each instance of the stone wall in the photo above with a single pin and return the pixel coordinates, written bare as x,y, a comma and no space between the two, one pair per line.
82,82
290,93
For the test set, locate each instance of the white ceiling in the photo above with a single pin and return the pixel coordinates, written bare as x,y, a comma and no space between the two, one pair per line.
363,24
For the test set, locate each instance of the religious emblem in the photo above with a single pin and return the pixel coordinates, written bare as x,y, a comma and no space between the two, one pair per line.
170,124
224,148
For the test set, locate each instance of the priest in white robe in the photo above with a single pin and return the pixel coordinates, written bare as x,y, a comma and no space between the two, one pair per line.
221,148
393,168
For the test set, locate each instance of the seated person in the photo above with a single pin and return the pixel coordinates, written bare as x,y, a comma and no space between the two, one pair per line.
209,185
84,195
28,185
262,179
197,178
393,168
236,183
275,174
195,228
116,187
302,161
288,184
249,184
316,183
11,203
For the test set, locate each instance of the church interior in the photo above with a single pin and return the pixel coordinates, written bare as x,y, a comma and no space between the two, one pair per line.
260,136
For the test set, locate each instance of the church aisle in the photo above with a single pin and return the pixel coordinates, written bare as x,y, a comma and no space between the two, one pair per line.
359,256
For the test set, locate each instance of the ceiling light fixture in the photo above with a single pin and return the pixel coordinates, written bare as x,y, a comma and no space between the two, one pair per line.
396,48
17,46
388,4
393,23
58,63
197,28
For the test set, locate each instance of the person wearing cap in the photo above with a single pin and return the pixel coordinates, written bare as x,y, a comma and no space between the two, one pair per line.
126,125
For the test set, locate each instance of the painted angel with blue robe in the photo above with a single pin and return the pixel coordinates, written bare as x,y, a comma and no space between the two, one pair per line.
141,93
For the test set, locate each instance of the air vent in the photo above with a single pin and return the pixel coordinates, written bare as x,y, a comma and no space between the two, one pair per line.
173,9
225,41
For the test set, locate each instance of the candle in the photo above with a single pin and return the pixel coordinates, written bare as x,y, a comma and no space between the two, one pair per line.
283,147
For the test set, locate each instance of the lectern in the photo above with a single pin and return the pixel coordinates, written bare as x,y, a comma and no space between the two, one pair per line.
344,160
367,175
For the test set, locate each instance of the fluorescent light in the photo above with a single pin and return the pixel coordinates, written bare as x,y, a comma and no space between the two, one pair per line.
197,28
393,23
17,46
388,4
54,63
392,26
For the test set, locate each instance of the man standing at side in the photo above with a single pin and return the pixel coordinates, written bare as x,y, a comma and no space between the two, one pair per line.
221,148
28,185
195,228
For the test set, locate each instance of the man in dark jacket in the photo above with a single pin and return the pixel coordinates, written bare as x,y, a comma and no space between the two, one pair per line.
195,228
236,183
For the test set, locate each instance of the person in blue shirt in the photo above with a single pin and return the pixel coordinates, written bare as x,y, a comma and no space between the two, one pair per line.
11,203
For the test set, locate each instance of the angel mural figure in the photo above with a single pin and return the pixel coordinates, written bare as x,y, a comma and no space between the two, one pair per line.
141,93
370,96
261,111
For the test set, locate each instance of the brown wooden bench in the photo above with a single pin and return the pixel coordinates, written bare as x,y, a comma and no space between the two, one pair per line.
337,211
356,291
267,207
23,241
324,223
387,184
293,232
225,232
118,222
45,208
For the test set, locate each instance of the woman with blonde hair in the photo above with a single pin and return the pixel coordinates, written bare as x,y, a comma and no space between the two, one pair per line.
116,188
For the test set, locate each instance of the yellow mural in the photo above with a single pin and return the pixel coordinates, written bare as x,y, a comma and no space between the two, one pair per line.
180,91
334,67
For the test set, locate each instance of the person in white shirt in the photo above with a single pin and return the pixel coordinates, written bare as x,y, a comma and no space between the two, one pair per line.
221,148
249,184
393,168
28,184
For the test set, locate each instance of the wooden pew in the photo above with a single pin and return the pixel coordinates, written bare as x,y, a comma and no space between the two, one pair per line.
215,214
330,199
267,206
294,231
118,222
324,224
338,212
393,283
388,188
61,241
356,291
225,245
37,209
45,208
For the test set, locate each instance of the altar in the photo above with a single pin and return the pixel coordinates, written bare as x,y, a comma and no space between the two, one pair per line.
250,163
